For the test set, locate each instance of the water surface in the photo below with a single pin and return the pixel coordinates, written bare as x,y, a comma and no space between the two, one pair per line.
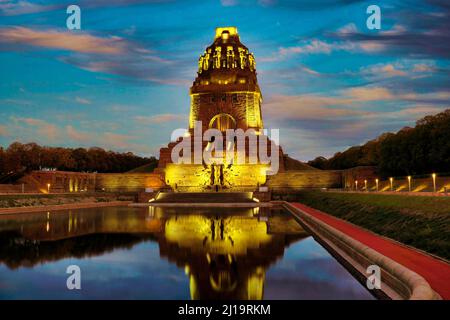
168,253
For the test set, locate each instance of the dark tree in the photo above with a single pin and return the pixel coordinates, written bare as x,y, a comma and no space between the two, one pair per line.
25,157
419,150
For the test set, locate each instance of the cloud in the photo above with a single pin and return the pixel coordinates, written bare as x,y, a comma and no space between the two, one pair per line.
389,70
160,118
403,68
20,7
77,135
422,67
44,128
417,111
310,107
366,94
3,131
347,29
369,94
313,46
62,40
307,47
13,8
330,122
228,3
19,102
316,46
82,100
346,104
42,131
107,54
416,33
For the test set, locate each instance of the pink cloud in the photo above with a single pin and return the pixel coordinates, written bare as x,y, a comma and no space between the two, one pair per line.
400,68
160,118
390,70
3,131
54,39
12,8
45,129
309,107
371,46
422,67
418,111
77,135
369,93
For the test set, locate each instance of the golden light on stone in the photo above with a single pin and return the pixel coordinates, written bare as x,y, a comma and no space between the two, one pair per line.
191,231
231,31
224,95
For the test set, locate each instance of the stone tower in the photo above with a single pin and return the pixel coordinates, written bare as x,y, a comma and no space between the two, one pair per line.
225,94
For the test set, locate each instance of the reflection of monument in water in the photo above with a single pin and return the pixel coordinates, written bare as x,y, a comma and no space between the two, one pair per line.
224,255
228,255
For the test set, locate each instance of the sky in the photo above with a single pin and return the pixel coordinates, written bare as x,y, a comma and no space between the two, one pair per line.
122,81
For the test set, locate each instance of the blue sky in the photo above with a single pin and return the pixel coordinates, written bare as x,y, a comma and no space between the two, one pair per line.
122,81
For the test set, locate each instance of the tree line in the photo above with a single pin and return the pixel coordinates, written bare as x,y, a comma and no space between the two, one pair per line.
411,151
31,156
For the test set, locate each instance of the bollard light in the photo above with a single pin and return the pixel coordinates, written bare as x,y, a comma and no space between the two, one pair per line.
356,185
409,183
48,187
391,180
365,185
434,181
376,182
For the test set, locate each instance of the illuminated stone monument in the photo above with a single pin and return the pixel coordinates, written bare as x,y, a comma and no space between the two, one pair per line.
224,95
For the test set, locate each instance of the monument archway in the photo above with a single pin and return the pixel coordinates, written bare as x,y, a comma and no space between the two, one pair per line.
222,122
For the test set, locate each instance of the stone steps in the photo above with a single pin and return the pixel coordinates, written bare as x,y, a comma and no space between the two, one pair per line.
204,197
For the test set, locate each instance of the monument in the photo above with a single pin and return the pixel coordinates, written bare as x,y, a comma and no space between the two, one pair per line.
225,96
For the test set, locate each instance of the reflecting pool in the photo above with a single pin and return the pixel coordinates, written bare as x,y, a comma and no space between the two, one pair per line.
168,253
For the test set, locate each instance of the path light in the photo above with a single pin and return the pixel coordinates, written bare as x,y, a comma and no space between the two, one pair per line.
434,181
376,182
48,187
356,185
391,180
365,184
409,183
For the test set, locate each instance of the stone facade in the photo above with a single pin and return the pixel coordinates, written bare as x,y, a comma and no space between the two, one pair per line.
129,182
297,180
224,95
60,181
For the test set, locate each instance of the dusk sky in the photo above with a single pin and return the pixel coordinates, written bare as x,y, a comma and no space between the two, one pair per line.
122,81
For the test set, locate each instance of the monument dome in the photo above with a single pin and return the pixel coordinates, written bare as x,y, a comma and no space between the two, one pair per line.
225,94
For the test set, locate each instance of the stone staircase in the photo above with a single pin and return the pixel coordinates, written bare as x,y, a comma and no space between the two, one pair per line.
204,197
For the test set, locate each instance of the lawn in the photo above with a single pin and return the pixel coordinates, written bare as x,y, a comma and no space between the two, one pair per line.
419,221
27,200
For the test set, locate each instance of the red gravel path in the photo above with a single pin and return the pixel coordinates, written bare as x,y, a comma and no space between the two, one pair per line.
435,271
